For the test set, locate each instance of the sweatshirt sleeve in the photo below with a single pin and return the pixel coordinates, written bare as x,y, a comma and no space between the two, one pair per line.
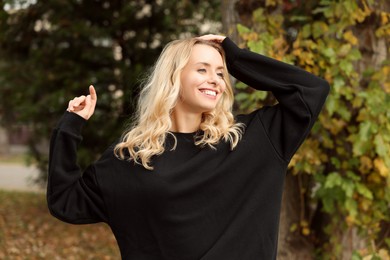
72,196
300,95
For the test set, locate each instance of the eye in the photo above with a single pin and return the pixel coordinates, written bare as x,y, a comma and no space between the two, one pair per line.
220,75
202,70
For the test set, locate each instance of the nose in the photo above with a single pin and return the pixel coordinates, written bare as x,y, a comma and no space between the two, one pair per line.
213,79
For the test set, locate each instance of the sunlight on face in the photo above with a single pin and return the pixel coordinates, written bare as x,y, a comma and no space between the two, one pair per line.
202,80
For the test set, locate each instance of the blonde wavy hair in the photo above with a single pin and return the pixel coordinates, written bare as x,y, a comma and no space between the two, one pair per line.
152,122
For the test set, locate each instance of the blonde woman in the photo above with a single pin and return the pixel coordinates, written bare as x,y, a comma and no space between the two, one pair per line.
188,180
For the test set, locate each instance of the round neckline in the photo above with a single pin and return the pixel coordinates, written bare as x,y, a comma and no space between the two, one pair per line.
184,134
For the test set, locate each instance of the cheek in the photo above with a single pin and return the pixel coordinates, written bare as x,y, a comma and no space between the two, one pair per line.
192,81
223,86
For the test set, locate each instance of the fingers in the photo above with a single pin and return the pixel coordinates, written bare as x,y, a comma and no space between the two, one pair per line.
84,106
212,37
76,104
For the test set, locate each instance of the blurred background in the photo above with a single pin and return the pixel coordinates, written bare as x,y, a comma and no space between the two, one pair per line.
336,203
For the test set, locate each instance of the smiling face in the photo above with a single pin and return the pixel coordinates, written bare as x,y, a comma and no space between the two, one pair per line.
202,81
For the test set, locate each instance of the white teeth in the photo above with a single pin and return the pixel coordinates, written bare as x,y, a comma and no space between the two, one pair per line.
209,92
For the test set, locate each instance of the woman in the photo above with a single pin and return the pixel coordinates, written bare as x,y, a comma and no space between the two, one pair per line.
189,181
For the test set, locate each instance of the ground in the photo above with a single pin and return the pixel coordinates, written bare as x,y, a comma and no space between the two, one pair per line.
28,231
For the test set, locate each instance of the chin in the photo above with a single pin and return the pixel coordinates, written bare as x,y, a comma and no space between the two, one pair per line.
208,110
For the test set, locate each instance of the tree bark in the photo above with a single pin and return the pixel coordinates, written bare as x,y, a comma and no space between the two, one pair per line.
229,19
4,144
292,245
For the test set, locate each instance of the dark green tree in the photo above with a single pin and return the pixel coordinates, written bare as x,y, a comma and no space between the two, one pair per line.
51,51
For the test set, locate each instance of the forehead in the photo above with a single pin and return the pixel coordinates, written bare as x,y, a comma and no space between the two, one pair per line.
202,53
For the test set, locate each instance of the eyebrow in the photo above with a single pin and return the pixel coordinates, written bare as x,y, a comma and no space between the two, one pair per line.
208,65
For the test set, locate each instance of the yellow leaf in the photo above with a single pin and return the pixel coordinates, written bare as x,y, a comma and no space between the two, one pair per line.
384,254
365,164
305,231
386,87
375,178
337,126
297,52
270,2
344,49
349,37
384,18
350,220
252,36
293,227
365,204
381,167
304,223
357,102
362,116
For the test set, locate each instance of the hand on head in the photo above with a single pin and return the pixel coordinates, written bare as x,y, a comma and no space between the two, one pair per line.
212,37
84,106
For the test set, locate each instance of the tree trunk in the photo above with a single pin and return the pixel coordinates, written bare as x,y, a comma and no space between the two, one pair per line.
229,19
4,144
292,245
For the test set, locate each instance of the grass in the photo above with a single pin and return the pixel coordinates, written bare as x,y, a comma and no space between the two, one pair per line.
28,231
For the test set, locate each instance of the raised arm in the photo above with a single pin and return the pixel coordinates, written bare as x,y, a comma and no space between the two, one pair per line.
73,196
300,94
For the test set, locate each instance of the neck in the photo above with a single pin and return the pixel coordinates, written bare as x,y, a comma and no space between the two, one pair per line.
185,122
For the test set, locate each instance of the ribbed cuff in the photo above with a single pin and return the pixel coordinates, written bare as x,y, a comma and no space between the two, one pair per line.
71,123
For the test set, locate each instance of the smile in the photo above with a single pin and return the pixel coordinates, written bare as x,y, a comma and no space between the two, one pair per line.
209,92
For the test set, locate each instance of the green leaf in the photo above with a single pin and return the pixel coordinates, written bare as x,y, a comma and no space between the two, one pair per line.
319,28
344,113
306,31
329,52
332,180
241,85
258,15
335,161
331,105
257,46
319,10
346,66
351,206
354,54
243,29
299,18
241,96
348,187
380,146
356,256
338,84
328,204
364,191
365,130
260,95
352,175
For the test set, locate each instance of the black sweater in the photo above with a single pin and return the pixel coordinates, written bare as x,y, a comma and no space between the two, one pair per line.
197,203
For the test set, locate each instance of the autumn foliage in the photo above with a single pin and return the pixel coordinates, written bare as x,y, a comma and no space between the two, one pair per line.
347,156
